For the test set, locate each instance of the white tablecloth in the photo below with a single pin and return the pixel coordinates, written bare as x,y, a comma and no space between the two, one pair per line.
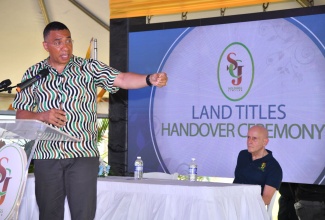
123,198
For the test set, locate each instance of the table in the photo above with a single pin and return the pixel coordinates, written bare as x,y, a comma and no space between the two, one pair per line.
122,198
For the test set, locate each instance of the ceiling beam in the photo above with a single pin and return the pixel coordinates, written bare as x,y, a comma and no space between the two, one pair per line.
95,18
306,3
44,11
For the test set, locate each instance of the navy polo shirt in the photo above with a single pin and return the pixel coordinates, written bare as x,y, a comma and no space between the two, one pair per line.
263,171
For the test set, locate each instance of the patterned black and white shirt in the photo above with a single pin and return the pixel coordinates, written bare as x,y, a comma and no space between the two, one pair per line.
75,91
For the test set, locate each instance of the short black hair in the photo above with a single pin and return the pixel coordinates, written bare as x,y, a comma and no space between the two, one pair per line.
54,26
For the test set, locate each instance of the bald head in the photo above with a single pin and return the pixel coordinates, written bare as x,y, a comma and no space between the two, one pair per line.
257,139
261,130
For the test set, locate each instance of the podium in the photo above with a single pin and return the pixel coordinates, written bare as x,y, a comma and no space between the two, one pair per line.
15,161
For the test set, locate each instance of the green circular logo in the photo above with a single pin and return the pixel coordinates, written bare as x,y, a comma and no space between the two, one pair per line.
235,71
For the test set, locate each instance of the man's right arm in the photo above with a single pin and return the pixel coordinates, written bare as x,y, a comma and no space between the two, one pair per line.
56,117
129,80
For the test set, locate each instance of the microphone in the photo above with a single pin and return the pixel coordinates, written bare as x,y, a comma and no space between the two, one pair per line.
43,73
5,83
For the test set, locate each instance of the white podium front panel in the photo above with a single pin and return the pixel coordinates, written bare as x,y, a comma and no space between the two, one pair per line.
29,130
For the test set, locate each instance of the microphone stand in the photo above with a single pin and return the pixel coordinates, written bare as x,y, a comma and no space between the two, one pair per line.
9,88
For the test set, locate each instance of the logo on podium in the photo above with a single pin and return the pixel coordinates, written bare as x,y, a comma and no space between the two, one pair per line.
13,162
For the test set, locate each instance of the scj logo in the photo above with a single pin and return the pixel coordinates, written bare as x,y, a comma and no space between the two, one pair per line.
4,180
235,71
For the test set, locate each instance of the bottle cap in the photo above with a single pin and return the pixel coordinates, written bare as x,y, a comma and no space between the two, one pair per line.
138,157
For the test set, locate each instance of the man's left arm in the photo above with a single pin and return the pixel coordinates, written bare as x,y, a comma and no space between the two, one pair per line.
268,193
131,80
273,181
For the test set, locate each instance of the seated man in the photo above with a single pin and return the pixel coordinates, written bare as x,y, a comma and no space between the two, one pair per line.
256,165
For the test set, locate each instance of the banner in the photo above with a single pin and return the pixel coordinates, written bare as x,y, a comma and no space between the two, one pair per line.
224,79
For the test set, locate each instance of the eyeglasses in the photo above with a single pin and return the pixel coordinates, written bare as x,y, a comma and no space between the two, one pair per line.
59,44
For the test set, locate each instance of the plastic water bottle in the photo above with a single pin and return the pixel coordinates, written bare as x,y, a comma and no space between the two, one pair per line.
193,170
138,169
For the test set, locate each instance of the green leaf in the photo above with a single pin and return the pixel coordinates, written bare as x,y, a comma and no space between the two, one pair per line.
102,126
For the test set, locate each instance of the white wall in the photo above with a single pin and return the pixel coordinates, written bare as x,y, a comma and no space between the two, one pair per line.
22,25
